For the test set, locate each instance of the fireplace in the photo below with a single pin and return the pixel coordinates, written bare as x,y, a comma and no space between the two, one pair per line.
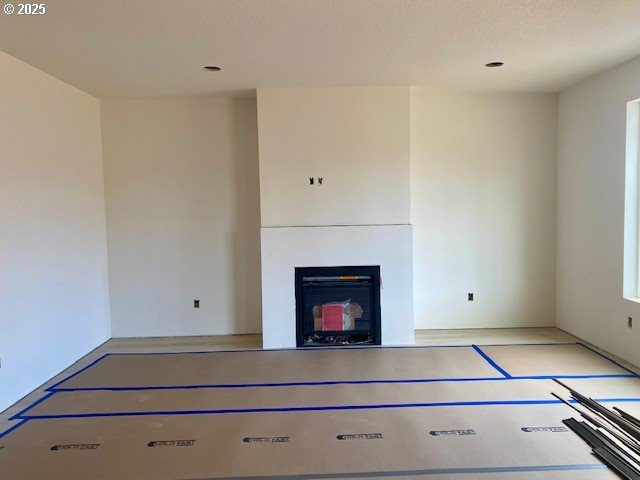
337,306
386,247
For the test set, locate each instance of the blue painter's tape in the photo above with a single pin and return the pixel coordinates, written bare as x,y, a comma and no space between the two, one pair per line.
278,384
54,387
614,400
317,408
608,358
14,427
504,373
337,382
490,361
51,388
23,411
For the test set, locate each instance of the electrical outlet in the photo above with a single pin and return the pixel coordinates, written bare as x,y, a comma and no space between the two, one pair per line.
470,297
630,322
196,304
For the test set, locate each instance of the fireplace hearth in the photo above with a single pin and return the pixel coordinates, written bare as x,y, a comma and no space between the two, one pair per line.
337,306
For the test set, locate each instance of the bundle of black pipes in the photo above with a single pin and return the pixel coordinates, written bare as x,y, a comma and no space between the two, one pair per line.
614,435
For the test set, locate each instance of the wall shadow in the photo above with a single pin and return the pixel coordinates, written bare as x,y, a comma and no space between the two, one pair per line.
246,268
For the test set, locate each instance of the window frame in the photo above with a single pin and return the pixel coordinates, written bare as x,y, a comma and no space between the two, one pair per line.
631,267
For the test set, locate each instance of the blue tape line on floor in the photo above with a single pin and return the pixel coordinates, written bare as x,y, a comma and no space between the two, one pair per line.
52,390
346,382
490,361
319,408
78,372
338,382
38,402
608,358
14,427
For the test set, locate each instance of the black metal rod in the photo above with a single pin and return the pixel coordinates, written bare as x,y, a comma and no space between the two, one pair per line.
613,424
627,416
604,449
629,444
594,406
618,464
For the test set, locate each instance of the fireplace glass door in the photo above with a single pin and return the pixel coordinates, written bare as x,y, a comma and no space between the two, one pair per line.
337,306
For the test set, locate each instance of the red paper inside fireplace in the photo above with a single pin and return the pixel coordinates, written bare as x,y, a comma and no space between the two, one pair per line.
332,317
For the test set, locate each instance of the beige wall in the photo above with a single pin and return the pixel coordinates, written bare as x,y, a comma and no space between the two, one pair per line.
54,305
182,191
356,139
483,186
183,200
591,194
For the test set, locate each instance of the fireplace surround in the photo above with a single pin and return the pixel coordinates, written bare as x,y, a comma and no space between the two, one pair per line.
358,141
286,248
337,306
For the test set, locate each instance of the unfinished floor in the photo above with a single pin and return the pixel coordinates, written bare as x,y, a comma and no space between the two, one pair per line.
466,404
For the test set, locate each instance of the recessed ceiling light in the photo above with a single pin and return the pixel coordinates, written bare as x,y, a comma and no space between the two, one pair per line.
212,68
494,64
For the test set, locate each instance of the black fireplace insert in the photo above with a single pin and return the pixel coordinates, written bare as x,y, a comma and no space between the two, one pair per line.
337,306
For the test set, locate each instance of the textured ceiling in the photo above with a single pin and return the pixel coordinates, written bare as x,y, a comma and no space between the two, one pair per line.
135,48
